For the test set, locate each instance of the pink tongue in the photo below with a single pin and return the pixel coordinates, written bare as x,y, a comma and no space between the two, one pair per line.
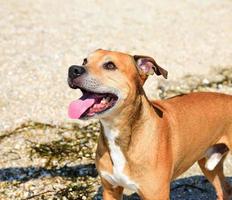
78,107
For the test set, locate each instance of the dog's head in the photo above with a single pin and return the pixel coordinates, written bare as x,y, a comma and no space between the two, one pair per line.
109,81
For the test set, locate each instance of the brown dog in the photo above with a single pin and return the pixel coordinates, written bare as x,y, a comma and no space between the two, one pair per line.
146,144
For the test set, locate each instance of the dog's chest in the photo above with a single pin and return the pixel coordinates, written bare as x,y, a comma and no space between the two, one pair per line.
118,177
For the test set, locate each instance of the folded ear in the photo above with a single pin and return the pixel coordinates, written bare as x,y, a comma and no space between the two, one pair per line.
148,66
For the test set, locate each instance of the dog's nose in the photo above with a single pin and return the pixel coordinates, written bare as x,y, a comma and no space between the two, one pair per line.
75,71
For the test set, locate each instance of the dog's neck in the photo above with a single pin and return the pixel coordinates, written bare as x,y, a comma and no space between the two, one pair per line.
127,126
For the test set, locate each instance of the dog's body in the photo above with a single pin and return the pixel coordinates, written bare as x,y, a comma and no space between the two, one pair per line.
146,144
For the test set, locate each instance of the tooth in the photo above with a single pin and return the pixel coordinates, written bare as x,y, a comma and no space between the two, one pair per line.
103,101
108,98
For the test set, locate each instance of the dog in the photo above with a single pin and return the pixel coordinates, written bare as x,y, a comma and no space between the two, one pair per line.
145,144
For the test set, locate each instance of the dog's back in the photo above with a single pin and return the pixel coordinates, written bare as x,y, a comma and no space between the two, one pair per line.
206,105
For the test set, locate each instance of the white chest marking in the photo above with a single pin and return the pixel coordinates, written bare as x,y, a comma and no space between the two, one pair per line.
118,178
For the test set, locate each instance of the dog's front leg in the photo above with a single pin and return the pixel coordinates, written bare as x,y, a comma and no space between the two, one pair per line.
155,196
110,192
155,192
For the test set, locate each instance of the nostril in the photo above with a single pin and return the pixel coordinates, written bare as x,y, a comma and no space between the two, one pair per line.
76,71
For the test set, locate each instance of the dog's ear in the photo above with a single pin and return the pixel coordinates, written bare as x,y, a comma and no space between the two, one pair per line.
148,66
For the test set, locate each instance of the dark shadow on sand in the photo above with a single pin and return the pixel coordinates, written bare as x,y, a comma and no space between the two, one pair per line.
24,174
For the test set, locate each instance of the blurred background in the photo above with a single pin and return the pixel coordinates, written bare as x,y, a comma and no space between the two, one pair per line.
45,155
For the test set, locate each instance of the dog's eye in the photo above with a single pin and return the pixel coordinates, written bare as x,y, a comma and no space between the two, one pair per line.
109,66
84,61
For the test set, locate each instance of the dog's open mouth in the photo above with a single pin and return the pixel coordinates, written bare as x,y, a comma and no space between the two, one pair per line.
91,103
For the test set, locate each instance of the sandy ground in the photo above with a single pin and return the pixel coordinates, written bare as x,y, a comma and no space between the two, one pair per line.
40,40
